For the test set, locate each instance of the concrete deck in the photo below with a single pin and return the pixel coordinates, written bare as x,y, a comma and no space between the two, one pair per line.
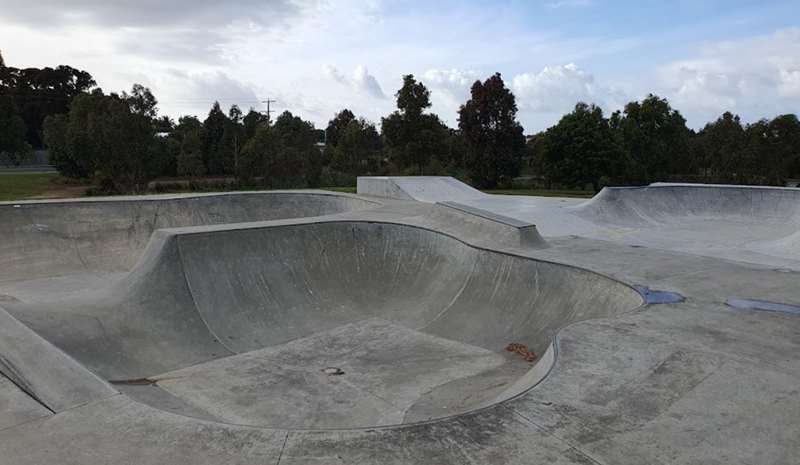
199,333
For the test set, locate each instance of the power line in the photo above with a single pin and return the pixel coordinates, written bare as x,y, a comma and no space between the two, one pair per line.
268,101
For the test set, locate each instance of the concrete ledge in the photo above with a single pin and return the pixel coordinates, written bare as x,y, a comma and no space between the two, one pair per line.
527,234
429,189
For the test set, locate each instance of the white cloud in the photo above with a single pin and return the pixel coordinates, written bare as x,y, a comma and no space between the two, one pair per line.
177,14
181,92
557,89
367,82
332,73
455,82
361,80
755,77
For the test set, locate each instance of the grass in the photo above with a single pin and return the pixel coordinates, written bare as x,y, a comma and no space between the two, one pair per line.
52,185
543,193
34,185
346,190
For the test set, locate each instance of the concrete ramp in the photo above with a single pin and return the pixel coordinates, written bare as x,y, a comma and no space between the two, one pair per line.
215,319
755,224
666,203
54,238
429,189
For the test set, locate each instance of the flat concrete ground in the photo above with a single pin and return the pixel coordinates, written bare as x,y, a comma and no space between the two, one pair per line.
692,382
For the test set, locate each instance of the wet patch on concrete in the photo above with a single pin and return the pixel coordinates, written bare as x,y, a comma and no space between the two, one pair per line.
653,296
752,304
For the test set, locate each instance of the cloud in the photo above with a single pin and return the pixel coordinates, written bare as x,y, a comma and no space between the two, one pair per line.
755,77
176,31
455,82
195,92
332,73
361,80
557,89
149,14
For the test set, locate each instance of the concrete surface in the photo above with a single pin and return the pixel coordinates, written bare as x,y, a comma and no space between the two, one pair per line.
200,333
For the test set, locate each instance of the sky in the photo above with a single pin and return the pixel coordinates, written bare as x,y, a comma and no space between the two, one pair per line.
316,57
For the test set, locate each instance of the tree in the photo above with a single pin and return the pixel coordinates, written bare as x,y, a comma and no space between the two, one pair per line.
232,140
39,93
12,132
784,144
723,154
188,133
337,126
215,157
299,159
358,151
655,137
127,148
413,98
581,149
190,158
772,149
2,61
413,138
102,136
142,101
283,154
251,122
494,138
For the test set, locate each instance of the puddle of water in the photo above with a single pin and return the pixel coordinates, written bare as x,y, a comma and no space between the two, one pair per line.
654,297
751,304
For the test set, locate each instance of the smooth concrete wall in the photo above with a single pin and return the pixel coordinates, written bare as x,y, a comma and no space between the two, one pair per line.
664,203
203,295
49,238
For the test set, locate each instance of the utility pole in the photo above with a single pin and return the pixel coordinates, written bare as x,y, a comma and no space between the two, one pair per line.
268,101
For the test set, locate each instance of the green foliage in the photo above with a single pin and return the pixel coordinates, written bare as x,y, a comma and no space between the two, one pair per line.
358,150
337,126
215,157
29,185
282,155
39,93
190,155
493,136
13,147
581,149
120,141
655,137
722,151
142,101
106,137
413,138
413,98
251,122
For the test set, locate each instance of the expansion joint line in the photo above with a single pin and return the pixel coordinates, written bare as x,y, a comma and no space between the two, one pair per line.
285,440
541,428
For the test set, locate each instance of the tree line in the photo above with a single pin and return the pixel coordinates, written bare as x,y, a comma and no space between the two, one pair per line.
120,141
648,141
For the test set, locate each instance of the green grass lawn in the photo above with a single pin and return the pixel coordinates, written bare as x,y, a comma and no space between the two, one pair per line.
346,190
543,192
25,186
52,185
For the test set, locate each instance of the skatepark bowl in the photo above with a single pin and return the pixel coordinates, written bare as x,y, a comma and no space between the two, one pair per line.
315,323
